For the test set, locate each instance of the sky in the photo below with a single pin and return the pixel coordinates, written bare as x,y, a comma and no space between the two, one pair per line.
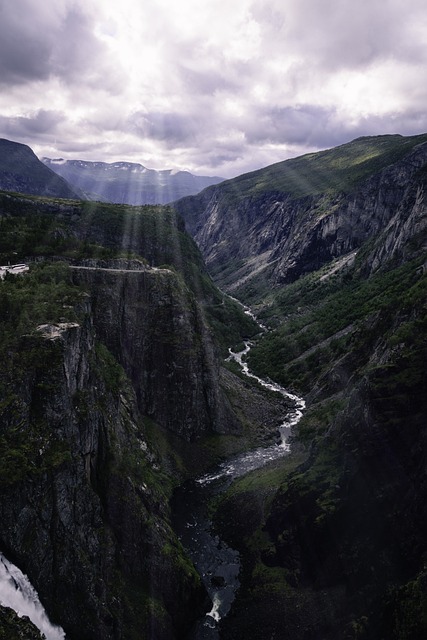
217,87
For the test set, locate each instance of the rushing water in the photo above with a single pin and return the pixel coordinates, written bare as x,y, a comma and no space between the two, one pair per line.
17,593
242,464
217,564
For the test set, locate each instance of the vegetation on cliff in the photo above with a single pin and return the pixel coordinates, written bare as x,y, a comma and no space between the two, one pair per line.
34,228
327,550
333,539
110,344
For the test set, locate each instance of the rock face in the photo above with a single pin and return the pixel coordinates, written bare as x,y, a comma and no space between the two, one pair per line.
128,182
13,627
152,324
86,517
105,364
280,235
22,171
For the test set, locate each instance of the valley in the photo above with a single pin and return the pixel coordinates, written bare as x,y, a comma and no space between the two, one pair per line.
323,546
138,397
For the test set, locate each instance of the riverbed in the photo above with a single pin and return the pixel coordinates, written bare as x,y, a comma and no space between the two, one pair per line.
218,564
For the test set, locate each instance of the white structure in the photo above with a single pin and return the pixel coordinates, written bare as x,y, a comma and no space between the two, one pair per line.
14,269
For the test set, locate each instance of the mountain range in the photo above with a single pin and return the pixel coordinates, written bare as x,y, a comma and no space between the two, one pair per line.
117,390
119,182
128,182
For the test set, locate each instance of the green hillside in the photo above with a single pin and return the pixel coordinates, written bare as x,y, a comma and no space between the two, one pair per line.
324,535
339,169
33,227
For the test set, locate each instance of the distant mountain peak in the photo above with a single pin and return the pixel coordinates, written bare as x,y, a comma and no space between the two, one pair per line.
129,182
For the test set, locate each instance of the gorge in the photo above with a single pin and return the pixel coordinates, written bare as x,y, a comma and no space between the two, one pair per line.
118,392
219,565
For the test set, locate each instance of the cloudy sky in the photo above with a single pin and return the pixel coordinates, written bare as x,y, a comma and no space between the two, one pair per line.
218,87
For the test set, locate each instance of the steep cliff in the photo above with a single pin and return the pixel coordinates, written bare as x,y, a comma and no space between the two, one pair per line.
150,320
276,224
105,362
83,497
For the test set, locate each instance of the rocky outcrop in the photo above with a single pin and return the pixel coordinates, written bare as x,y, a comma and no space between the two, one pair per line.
12,627
83,509
152,324
405,235
280,237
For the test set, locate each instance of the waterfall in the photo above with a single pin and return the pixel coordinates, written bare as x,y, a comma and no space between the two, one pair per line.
17,593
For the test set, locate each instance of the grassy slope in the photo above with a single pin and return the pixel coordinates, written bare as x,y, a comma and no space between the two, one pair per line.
337,169
323,317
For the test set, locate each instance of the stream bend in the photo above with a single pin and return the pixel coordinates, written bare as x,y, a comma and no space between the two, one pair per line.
218,564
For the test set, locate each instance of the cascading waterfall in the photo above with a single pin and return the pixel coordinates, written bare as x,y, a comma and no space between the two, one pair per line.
17,593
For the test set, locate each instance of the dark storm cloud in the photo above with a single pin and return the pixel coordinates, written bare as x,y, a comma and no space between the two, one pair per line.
321,127
307,124
39,40
24,49
40,123
80,57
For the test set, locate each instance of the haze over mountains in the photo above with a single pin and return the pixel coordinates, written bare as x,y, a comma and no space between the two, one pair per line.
128,182
118,182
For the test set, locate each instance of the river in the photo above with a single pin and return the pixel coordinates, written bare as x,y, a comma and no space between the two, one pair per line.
218,564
